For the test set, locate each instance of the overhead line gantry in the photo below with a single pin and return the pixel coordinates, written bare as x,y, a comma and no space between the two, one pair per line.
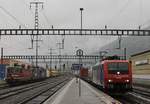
91,32
50,57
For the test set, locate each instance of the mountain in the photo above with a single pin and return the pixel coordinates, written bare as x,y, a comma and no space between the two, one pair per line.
133,45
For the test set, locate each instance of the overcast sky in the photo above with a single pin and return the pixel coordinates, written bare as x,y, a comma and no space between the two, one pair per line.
125,14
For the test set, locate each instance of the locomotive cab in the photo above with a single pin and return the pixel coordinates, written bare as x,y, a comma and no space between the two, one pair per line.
113,74
118,75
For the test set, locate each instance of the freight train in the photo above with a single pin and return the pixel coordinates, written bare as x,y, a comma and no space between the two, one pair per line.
19,73
111,75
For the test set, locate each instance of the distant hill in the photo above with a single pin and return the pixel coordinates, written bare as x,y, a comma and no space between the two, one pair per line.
133,45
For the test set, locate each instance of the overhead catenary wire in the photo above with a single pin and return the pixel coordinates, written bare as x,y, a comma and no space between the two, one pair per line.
119,12
47,21
32,13
140,14
146,24
13,17
31,36
46,18
117,15
16,20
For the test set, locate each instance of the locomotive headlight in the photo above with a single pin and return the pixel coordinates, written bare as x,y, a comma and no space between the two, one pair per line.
127,80
109,80
118,73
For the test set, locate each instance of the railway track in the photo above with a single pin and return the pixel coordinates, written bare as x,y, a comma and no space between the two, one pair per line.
41,97
145,92
8,90
6,85
139,95
34,93
3,86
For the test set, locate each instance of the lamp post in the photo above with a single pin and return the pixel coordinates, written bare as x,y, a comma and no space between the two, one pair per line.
80,53
81,9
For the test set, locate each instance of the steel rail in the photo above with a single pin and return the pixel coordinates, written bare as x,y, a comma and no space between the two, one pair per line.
27,93
51,91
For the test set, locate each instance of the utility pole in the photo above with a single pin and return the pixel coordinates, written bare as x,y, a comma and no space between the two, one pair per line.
81,10
119,38
1,55
125,54
36,25
50,52
59,47
45,63
50,63
63,41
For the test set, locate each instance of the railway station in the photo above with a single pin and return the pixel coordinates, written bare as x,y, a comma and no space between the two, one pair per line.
74,52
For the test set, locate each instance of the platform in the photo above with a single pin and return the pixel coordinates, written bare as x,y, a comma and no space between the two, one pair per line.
89,95
142,80
2,82
147,77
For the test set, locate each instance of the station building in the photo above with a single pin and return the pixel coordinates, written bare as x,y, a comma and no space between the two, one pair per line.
141,62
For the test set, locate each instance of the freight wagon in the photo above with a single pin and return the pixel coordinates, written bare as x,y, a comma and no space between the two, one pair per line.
2,72
52,73
83,72
21,73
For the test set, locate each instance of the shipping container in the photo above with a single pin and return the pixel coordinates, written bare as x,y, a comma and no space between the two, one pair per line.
2,72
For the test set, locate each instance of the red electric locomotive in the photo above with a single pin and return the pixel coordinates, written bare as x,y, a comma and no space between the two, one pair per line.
112,75
18,73
24,72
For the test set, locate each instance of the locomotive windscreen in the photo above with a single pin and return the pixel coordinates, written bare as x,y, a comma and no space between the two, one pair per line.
115,67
